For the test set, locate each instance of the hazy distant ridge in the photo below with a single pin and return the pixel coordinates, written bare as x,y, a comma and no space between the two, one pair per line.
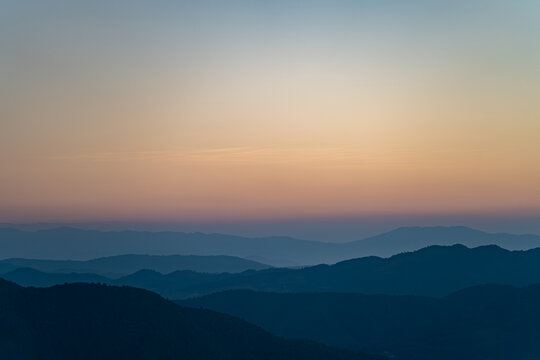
75,244
127,264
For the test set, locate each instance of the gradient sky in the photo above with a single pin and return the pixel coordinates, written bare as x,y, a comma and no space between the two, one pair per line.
264,110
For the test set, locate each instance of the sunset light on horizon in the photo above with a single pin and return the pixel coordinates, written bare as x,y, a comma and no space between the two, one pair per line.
253,110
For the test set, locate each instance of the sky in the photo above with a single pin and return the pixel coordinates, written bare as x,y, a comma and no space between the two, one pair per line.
271,112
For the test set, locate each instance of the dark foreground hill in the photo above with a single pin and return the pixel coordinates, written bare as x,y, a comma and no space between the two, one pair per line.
489,322
433,271
89,321
70,243
117,266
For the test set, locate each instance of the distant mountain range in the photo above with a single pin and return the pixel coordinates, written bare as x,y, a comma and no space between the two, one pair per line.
84,321
489,322
76,244
116,266
432,271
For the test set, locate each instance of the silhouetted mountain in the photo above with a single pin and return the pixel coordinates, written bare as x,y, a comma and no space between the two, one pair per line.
432,271
89,321
488,322
415,238
31,277
69,243
116,266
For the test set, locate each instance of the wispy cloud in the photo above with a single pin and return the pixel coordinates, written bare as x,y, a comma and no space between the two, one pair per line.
320,156
211,154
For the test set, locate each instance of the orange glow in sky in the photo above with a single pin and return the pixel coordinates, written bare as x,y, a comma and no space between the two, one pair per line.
214,111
